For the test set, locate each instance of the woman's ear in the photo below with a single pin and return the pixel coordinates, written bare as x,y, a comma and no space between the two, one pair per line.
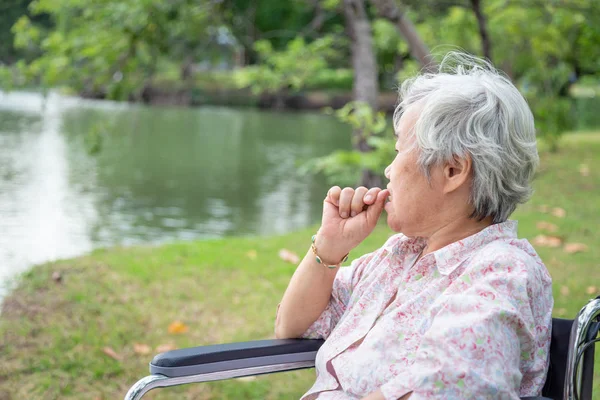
457,173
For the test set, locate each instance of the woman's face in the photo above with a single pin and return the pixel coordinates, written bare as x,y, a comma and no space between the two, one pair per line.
414,201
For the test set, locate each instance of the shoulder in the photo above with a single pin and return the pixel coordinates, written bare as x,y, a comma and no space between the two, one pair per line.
508,257
510,267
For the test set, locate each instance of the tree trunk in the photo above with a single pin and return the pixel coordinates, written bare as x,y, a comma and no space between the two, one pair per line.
365,74
418,49
486,44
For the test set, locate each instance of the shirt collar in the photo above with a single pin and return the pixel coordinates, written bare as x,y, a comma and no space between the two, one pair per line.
449,257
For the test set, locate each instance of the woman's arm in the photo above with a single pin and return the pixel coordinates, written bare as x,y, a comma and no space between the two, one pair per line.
305,298
345,224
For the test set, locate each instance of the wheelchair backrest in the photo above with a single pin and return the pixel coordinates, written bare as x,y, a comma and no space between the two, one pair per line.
559,350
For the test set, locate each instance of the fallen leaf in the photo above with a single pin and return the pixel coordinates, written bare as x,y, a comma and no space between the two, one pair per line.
289,256
564,290
544,208
547,241
57,277
575,248
251,254
584,170
162,348
558,212
112,354
177,327
140,348
591,290
546,226
247,378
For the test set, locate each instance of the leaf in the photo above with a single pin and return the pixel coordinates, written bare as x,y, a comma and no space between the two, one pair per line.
251,254
547,241
57,277
289,256
177,327
575,248
142,349
112,354
558,212
544,208
247,378
162,348
564,290
546,226
591,290
584,170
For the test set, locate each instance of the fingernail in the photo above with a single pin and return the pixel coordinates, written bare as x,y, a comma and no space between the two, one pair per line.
352,214
344,215
368,197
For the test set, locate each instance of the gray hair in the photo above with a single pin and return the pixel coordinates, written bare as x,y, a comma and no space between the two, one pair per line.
469,108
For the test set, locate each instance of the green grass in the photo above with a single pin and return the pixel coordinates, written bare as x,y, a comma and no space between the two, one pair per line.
52,334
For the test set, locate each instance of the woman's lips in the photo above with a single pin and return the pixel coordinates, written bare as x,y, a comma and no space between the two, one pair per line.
388,204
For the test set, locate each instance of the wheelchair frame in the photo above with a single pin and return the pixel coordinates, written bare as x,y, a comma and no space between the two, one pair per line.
235,360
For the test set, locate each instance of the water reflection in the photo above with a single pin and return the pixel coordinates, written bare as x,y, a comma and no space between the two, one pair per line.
162,174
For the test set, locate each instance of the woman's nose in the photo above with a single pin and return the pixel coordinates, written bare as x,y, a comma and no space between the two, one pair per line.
387,171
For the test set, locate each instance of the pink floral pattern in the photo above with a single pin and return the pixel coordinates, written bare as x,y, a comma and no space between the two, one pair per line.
471,320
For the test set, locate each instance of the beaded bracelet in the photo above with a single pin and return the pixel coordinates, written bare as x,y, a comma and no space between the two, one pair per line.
320,260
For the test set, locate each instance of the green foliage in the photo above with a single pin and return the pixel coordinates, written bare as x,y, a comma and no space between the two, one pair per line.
553,116
542,47
10,12
328,78
345,167
273,20
390,48
281,70
537,47
111,46
362,118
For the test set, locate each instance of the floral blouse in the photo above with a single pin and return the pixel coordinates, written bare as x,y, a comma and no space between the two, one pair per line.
470,320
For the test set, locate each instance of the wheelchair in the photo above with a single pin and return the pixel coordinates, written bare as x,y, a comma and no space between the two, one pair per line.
570,375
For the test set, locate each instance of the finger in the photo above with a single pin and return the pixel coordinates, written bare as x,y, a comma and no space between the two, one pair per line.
357,200
371,195
333,195
374,211
345,202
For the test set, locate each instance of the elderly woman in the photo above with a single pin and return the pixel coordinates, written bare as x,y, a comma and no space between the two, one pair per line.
454,306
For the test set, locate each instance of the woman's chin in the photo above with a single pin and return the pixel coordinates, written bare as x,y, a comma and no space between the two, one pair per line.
391,220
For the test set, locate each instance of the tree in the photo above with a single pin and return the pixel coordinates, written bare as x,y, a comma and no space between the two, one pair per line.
389,10
112,47
277,22
10,12
365,75
486,43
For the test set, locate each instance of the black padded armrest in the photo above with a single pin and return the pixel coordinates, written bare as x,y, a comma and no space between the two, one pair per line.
536,398
227,357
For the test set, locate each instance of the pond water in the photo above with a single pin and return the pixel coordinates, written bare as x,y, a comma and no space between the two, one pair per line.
162,174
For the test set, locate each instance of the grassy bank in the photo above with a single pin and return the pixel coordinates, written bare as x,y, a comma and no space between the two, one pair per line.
86,328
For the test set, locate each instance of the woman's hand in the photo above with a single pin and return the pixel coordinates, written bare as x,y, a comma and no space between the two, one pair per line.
349,216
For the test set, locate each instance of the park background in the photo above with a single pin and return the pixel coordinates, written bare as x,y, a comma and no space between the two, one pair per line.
181,149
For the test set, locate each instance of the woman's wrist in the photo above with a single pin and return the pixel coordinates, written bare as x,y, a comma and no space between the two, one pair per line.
326,252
